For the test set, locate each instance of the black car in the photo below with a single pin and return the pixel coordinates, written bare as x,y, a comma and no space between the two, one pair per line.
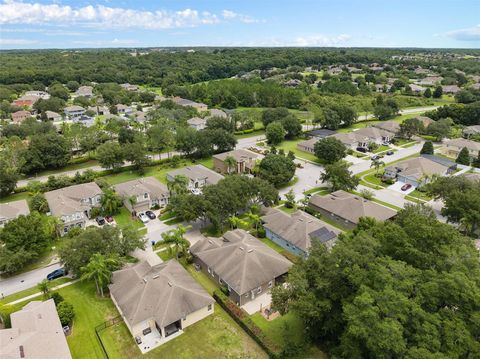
389,153
100,221
57,273
150,214
362,149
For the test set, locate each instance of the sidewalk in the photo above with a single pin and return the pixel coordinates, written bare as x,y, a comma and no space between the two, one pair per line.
40,293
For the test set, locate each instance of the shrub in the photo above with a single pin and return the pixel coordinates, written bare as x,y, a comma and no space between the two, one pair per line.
261,232
65,313
57,298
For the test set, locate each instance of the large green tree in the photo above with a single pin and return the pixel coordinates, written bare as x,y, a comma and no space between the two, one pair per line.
275,133
338,176
49,150
277,169
330,150
99,268
110,155
403,289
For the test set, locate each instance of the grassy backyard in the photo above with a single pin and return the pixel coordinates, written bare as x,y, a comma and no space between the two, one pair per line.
124,217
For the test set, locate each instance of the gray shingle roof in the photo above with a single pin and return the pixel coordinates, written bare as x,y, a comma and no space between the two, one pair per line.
239,155
165,292
298,228
68,200
241,260
351,207
13,209
197,172
418,167
150,185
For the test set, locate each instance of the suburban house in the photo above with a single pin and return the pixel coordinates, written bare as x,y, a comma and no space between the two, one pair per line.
364,136
470,131
84,91
12,210
35,333
184,102
26,101
124,110
426,121
198,177
157,302
139,116
474,177
320,133
389,126
346,208
245,161
73,204
141,194
53,116
430,80
293,83
240,262
308,145
451,89
419,171
85,120
129,87
100,110
197,123
417,89
20,116
217,113
295,232
41,94
452,148
73,112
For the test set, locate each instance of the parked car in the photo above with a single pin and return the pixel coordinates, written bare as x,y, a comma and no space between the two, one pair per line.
143,217
362,149
376,157
389,153
138,340
406,187
150,214
196,191
100,221
109,219
57,273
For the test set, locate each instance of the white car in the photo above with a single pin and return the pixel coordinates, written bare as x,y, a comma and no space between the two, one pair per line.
143,217
196,190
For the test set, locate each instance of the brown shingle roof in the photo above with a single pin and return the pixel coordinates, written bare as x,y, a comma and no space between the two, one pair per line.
241,260
68,200
351,207
165,292
150,185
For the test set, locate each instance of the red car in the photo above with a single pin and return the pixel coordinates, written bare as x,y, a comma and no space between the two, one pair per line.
109,219
406,187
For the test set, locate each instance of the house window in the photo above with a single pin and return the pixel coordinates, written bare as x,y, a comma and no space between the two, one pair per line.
145,195
220,280
209,307
259,290
270,284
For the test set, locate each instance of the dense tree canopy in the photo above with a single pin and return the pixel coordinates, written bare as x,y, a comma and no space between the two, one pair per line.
403,289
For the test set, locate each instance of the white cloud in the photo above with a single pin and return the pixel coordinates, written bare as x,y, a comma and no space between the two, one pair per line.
321,40
17,42
468,34
15,12
231,15
114,42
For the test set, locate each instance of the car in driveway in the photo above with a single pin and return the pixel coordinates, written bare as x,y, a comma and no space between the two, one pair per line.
362,149
376,157
57,273
150,214
143,217
406,187
100,220
109,219
389,153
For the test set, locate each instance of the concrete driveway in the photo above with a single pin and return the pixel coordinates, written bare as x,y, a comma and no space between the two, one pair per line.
308,178
397,187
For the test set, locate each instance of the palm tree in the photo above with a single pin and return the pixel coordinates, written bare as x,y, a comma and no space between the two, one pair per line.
176,237
44,287
99,268
230,162
255,218
236,222
110,201
377,164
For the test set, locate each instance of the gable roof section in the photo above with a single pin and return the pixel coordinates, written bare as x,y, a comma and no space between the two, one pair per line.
351,207
298,228
419,167
165,292
13,209
241,260
197,172
150,185
240,155
68,200
37,329
461,143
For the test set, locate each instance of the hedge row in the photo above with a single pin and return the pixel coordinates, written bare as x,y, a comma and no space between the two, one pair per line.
247,324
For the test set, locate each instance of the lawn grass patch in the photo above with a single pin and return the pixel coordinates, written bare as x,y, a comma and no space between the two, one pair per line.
30,291
272,245
206,282
287,210
124,217
291,145
216,336
15,197
381,148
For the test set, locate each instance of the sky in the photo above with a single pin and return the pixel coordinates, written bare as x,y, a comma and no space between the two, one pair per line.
318,23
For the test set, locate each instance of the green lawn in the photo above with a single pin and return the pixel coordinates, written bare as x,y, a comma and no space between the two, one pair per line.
287,326
205,281
287,210
251,134
381,148
318,190
15,197
419,195
372,179
165,255
69,167
291,145
216,336
124,218
272,245
33,290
